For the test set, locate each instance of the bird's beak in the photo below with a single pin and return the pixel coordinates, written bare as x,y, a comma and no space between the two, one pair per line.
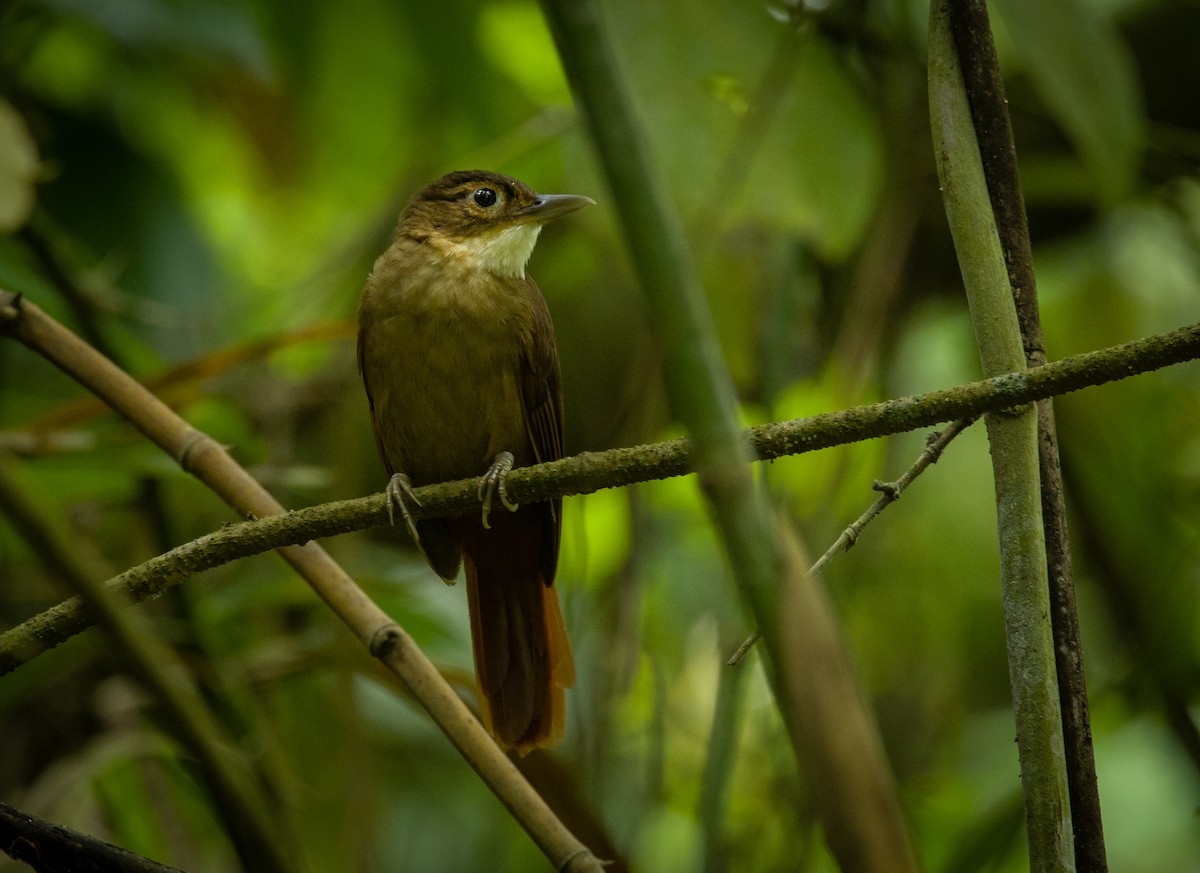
551,206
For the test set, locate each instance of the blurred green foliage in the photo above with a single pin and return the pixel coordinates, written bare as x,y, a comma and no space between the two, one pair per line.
179,178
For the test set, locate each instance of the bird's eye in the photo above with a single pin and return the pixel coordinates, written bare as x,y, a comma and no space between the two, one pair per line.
485,197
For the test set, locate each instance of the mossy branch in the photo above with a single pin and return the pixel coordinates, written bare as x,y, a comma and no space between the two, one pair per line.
594,471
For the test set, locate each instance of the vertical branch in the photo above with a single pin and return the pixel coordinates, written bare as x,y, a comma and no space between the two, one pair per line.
1014,447
860,810
989,110
718,767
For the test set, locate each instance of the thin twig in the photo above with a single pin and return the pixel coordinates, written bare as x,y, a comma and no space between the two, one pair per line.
889,493
176,381
59,274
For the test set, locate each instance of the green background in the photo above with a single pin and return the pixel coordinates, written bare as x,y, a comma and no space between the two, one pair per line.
200,188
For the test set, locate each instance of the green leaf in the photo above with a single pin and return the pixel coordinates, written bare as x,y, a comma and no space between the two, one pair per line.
514,38
18,169
1084,73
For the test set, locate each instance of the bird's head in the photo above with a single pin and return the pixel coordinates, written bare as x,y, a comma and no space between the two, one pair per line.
484,220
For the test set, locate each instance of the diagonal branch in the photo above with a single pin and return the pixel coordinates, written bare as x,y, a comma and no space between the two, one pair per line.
889,493
51,848
209,462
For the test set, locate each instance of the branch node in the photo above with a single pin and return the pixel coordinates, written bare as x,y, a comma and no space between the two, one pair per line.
187,446
384,640
1014,411
581,853
891,489
24,849
11,310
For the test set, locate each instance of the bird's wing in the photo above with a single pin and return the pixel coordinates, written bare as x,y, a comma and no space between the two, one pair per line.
362,370
541,395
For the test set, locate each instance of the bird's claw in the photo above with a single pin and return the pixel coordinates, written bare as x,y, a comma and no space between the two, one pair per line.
491,483
399,488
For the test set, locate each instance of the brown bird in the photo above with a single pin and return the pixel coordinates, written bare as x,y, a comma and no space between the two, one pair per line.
457,353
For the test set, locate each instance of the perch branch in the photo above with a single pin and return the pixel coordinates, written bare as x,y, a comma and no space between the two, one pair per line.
593,471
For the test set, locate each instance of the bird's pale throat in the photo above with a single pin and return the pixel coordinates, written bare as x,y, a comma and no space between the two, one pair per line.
504,251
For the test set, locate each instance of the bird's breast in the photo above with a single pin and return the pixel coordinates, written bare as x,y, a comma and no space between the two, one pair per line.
442,357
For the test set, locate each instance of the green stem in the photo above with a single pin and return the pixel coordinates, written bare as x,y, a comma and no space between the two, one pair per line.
718,767
698,387
989,113
702,397
1014,449
238,799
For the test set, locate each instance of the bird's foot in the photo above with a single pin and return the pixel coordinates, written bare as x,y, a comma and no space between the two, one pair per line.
399,489
492,483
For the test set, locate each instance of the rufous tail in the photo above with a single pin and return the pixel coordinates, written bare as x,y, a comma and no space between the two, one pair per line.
523,660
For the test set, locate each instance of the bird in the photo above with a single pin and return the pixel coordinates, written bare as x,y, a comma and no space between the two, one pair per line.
457,353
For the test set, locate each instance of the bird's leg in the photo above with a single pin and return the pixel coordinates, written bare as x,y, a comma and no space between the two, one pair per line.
399,488
492,483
